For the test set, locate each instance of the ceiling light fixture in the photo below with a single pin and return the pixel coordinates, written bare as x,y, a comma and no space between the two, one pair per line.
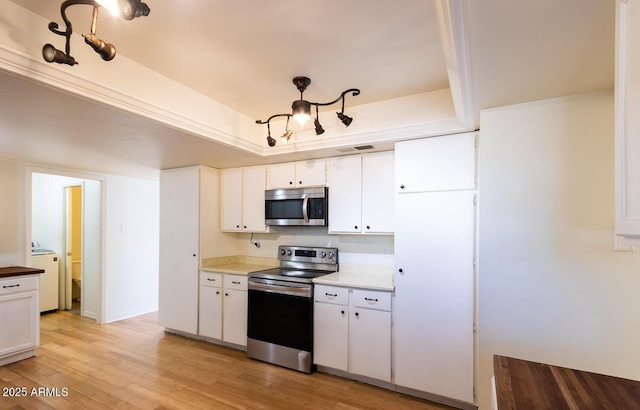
128,10
301,111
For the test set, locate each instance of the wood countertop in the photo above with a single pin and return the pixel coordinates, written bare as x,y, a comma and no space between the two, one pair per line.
18,271
521,384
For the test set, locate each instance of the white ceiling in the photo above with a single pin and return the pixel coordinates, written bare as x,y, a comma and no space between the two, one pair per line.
244,55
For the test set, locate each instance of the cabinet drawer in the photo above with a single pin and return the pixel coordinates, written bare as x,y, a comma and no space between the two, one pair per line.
371,299
235,282
331,294
18,284
211,279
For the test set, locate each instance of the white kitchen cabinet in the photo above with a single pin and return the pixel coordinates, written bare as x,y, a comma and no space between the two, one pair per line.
331,327
296,174
344,179
179,249
361,199
235,308
20,334
434,293
370,334
188,208
627,124
210,305
242,199
377,193
436,164
223,307
352,331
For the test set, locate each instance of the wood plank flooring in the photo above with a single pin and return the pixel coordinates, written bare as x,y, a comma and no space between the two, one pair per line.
134,364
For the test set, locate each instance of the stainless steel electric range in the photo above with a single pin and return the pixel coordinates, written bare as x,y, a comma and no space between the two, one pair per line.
280,318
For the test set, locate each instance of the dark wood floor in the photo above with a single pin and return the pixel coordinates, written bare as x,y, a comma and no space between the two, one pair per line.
134,364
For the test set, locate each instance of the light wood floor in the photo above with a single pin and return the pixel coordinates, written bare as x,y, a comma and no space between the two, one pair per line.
134,364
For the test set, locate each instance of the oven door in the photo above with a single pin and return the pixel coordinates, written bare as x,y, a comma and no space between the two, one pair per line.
280,323
299,207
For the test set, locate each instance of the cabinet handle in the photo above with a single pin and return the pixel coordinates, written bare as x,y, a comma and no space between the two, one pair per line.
235,282
226,294
299,182
10,286
211,280
356,226
217,292
237,226
194,255
368,227
342,312
371,300
290,182
331,295
357,314
245,227
400,270
401,186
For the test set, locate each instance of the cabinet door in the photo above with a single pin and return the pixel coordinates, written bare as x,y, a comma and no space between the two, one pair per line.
436,164
20,322
331,335
344,178
311,173
370,343
231,199
281,176
179,227
234,317
434,282
253,186
378,194
210,315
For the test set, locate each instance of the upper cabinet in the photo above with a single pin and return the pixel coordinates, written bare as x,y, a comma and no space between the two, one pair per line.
361,193
296,174
627,125
242,199
426,165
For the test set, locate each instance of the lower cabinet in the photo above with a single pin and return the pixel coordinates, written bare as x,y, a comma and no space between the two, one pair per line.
223,307
352,331
20,334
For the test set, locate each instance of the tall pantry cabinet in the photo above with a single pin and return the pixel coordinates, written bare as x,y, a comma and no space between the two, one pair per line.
188,209
434,265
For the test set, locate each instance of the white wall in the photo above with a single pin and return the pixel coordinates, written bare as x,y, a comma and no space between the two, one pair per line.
131,249
12,231
550,287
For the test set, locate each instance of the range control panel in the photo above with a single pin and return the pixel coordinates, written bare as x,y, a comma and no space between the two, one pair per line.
308,254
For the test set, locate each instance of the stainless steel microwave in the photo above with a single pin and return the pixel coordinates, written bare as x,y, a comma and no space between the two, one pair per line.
297,206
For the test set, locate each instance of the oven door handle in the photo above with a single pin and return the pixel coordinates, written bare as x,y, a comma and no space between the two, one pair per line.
305,206
272,286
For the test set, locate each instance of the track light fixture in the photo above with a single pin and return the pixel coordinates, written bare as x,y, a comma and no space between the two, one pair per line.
128,10
301,111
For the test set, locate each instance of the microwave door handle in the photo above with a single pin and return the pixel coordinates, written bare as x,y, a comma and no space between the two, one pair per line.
305,204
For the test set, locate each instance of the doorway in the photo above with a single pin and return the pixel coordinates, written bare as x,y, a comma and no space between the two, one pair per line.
52,209
73,243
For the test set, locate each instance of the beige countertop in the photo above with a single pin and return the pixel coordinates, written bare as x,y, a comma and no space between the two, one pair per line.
372,277
237,268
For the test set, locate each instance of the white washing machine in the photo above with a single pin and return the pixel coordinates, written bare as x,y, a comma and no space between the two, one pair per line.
49,283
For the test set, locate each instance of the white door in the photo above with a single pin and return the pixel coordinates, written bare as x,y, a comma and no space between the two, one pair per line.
434,282
331,335
378,195
370,343
234,318
344,178
179,229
